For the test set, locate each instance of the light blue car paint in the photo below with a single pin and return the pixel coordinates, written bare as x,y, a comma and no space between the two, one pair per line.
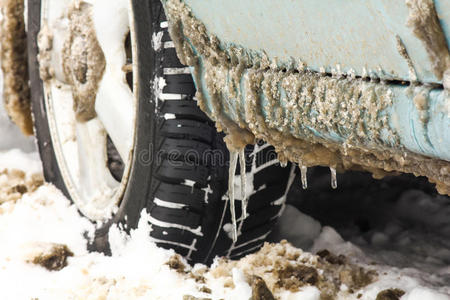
350,35
354,34
430,139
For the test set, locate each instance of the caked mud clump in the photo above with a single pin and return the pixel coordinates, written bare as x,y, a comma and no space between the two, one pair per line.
425,24
53,257
83,61
292,277
279,267
260,291
15,183
310,118
175,263
390,294
13,44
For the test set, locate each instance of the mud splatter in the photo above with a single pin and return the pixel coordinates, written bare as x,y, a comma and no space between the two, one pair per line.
83,61
53,257
15,183
283,267
260,291
205,290
291,277
176,263
250,97
14,63
189,297
45,45
390,294
331,258
402,51
424,22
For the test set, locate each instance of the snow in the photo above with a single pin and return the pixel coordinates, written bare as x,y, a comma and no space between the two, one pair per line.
308,293
418,283
242,288
138,269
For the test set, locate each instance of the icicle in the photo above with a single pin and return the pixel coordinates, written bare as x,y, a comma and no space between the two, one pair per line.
303,171
243,182
333,178
231,173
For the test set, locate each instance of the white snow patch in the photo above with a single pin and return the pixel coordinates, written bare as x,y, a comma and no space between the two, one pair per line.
169,116
241,288
158,85
299,229
423,293
306,293
400,268
156,40
17,159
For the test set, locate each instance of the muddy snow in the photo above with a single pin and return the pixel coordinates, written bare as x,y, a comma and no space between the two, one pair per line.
44,256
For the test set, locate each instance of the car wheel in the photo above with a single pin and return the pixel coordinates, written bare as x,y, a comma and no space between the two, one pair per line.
119,132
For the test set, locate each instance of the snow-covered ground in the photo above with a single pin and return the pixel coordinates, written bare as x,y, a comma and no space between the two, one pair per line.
406,251
34,222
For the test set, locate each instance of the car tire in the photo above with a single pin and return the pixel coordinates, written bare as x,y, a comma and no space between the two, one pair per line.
179,171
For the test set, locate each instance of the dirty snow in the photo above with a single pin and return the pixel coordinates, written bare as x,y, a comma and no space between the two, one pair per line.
138,269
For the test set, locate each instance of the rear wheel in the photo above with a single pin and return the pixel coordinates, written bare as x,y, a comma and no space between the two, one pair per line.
141,142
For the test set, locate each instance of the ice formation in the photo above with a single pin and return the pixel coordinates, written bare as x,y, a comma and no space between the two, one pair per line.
235,157
231,171
243,183
333,178
303,173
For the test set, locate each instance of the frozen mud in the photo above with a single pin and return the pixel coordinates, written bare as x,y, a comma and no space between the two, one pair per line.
83,61
291,108
424,21
51,256
13,49
15,183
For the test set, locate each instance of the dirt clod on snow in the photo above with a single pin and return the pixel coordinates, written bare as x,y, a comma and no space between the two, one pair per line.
331,258
390,294
294,276
176,263
53,258
15,183
283,267
260,291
